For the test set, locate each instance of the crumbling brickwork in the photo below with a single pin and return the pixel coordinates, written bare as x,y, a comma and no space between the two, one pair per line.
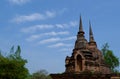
86,61
86,55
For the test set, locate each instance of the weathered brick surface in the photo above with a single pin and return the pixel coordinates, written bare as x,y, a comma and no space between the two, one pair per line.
85,60
86,55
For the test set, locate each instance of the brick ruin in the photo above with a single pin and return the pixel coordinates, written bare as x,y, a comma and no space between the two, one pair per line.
86,55
86,61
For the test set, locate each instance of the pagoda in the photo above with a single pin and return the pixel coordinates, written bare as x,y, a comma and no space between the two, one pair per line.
86,60
86,56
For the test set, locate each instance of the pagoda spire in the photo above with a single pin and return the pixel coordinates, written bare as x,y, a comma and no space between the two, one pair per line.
91,37
81,41
81,26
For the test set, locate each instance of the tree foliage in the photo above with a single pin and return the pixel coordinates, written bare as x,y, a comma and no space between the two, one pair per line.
110,58
42,74
13,65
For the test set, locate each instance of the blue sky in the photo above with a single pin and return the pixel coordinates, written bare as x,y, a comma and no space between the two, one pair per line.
46,29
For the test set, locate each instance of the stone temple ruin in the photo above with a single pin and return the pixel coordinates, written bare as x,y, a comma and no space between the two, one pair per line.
86,55
86,60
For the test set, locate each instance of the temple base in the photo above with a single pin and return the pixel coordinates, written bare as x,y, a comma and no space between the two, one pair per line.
85,76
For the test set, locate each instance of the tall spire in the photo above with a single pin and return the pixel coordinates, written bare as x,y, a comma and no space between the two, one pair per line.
80,26
91,39
81,41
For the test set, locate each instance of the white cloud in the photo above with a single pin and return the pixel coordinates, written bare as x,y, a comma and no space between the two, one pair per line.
66,49
60,45
19,2
33,37
66,25
56,39
57,33
70,38
35,28
61,25
73,23
49,40
34,16
50,14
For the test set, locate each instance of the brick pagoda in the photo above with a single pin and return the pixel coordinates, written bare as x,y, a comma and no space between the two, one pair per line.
86,61
86,55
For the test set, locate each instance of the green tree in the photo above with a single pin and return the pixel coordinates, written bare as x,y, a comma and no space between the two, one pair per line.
42,74
110,58
13,65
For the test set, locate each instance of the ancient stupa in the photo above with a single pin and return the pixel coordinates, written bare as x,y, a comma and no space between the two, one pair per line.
86,61
86,56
